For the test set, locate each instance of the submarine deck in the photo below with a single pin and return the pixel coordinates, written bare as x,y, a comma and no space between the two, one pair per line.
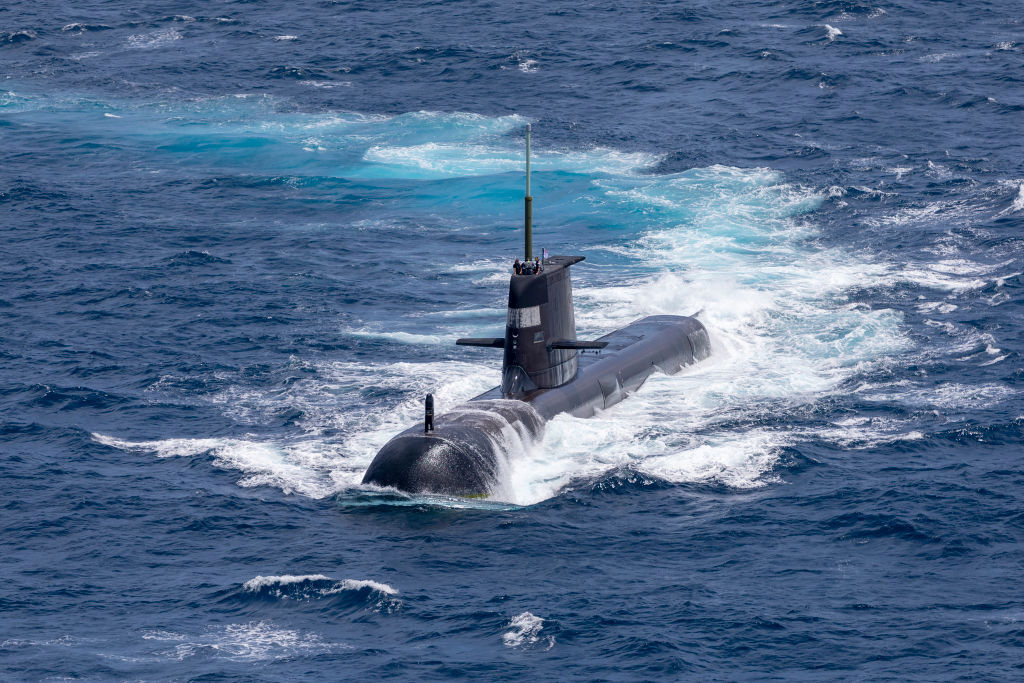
662,343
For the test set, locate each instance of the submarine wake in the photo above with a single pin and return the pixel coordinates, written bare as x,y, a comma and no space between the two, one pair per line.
737,243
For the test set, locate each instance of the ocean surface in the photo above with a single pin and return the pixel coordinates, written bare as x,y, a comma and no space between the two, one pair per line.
240,239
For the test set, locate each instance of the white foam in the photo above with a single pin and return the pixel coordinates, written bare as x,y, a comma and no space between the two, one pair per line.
260,582
165,448
313,145
524,630
833,32
950,397
153,39
402,337
327,85
439,160
864,432
781,332
248,642
936,276
1016,205
739,461
939,56
919,215
61,641
936,307
286,37
360,584
303,467
953,275
331,401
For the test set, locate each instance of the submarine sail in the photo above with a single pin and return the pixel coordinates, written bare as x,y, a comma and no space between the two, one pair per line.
545,372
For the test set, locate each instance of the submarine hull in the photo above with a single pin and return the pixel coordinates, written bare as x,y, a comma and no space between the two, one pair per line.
467,453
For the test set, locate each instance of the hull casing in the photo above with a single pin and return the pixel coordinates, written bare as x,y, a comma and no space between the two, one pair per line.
468,452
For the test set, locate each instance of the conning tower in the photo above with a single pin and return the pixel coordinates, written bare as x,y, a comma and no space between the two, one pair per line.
541,350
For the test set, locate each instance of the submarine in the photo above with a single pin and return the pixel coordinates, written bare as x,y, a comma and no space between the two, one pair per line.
546,371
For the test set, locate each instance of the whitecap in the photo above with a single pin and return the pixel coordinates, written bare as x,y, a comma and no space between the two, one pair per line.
60,641
900,171
952,397
864,432
260,582
327,85
360,584
1016,205
313,145
154,39
524,630
938,57
936,306
955,275
739,461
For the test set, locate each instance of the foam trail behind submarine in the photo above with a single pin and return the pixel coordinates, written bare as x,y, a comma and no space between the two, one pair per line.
545,371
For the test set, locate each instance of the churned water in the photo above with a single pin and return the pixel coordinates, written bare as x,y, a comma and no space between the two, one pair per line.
239,243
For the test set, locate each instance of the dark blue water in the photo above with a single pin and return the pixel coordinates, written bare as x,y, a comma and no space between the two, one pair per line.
240,240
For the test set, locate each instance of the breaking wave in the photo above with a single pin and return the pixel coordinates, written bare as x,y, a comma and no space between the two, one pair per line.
524,631
312,584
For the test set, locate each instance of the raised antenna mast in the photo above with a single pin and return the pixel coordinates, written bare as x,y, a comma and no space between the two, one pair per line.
529,201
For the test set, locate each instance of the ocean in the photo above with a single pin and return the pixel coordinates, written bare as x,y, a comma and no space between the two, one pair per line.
241,238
